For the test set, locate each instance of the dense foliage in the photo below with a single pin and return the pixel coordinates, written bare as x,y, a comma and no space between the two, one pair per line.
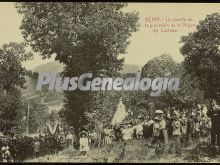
85,37
11,81
202,55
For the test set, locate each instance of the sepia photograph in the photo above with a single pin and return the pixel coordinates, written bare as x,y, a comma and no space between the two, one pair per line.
109,82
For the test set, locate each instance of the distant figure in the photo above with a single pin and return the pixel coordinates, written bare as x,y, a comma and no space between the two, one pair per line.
84,143
139,131
112,137
130,112
170,118
176,141
118,133
36,148
156,141
107,132
190,129
214,114
93,138
204,110
69,139
62,141
206,126
6,155
160,136
127,132
183,122
198,125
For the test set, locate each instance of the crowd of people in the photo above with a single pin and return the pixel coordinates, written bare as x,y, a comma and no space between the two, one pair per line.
167,130
18,148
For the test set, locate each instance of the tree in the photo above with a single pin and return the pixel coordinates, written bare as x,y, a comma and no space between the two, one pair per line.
187,94
158,67
11,81
85,37
202,55
102,106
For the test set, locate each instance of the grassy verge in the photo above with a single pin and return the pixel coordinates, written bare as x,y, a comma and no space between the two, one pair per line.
132,151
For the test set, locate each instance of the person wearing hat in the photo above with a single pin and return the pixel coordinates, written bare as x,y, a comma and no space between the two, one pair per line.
84,143
159,130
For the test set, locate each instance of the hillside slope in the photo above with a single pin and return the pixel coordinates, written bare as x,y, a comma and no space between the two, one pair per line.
136,151
57,67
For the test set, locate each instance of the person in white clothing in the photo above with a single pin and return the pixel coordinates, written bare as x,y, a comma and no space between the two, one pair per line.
139,130
84,143
127,133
